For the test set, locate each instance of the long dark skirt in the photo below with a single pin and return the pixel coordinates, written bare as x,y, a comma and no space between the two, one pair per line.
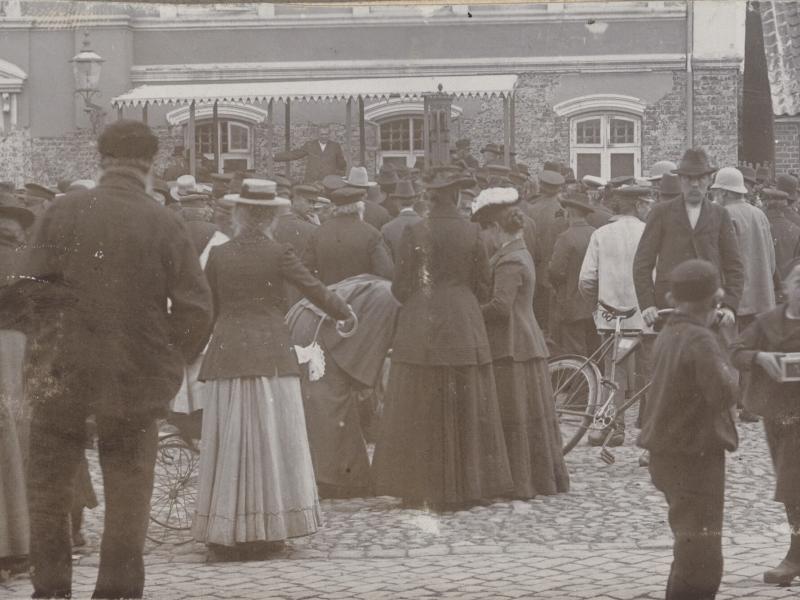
530,426
783,439
441,439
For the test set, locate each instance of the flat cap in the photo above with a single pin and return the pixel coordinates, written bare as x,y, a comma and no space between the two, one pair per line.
694,280
549,177
128,139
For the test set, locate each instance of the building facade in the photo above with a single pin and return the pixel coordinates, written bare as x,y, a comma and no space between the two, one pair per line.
609,88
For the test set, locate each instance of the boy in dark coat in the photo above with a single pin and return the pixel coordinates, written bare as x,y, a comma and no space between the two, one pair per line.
687,426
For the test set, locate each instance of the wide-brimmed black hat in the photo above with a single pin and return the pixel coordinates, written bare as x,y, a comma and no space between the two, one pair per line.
694,163
11,207
443,180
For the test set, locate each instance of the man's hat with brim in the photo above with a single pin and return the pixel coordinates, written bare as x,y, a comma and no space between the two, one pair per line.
258,192
749,174
185,185
35,190
333,182
387,176
552,178
359,178
443,181
774,194
12,208
348,195
787,183
658,169
694,280
694,163
306,190
621,180
493,148
404,190
670,186
219,184
577,201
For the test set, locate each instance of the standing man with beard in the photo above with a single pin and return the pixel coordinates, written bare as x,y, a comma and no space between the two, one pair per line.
689,226
323,156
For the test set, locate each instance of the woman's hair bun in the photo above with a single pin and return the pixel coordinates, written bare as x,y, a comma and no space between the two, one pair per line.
513,219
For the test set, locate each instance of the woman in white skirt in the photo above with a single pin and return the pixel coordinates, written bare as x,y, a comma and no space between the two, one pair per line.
257,484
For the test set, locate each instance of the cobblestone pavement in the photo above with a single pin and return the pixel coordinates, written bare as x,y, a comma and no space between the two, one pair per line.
607,538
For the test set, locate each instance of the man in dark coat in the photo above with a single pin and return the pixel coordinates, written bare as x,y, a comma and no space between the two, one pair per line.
374,213
101,270
463,154
687,227
323,156
788,184
785,233
344,245
292,229
550,219
577,332
407,197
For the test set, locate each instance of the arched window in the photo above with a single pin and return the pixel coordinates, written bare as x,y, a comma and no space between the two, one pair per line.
400,127
605,135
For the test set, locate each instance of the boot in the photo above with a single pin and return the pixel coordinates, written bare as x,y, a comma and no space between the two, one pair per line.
789,568
598,436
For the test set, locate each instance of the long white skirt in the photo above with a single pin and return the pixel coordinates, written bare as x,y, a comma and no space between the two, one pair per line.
256,477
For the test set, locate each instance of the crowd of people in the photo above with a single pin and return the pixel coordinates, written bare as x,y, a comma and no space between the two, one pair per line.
256,314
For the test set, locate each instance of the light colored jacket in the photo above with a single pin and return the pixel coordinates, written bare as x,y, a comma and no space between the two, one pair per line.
607,270
754,235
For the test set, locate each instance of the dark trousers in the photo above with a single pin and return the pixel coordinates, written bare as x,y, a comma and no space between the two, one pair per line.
694,487
579,337
127,457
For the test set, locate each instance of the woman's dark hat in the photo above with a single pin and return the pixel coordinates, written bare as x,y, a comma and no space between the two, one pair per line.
442,180
404,190
128,139
12,208
694,280
694,163
347,195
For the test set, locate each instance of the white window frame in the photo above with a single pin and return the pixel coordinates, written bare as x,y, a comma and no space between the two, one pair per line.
412,153
605,148
238,154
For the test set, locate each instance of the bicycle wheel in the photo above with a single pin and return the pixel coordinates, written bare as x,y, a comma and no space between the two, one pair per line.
575,389
174,490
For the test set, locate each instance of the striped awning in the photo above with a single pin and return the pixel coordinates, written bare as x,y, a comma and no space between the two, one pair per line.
375,88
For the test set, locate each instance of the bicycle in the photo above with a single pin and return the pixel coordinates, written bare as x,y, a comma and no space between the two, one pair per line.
578,383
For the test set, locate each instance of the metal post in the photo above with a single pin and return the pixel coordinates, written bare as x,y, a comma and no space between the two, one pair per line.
215,137
287,134
270,135
362,138
513,122
348,131
144,113
506,133
192,151
426,133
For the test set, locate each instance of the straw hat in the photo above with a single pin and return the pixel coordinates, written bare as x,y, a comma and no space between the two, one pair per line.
258,192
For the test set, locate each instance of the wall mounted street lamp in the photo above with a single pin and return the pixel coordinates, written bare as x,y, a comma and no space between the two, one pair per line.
86,67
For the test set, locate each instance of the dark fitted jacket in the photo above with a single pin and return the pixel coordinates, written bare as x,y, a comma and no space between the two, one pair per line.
375,214
291,229
510,323
250,335
344,246
101,328
785,237
770,332
392,232
668,240
200,230
692,393
318,163
565,269
441,276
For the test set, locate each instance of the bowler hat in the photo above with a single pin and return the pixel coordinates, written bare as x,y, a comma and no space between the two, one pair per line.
787,183
12,208
404,189
579,201
670,186
549,177
258,192
694,280
128,139
347,195
694,163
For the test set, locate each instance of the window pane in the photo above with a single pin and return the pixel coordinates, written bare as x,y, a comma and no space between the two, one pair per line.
240,137
588,132
621,131
203,141
621,164
223,136
395,135
418,133
589,164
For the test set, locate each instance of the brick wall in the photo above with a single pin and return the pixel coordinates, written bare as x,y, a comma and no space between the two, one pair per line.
15,156
787,146
716,114
664,125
